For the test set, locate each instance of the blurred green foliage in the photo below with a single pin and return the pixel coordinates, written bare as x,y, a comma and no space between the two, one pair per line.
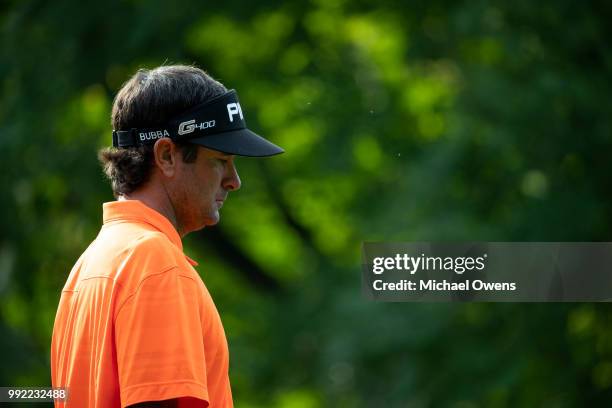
435,120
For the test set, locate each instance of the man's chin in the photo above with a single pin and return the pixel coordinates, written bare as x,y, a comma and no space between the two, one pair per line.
212,219
208,220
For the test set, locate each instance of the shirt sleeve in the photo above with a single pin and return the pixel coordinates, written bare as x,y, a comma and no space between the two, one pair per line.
158,338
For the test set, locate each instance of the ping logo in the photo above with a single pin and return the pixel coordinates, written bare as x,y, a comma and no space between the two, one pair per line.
190,125
234,109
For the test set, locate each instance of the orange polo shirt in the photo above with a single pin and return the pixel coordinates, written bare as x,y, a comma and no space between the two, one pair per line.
135,322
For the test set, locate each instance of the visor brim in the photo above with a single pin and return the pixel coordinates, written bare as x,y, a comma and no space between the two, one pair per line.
242,142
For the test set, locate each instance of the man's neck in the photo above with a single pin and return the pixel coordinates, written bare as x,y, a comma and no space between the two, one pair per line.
158,202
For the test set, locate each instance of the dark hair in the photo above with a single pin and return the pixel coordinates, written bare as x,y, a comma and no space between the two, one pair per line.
148,99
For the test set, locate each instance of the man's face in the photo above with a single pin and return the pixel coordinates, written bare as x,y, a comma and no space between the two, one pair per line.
200,188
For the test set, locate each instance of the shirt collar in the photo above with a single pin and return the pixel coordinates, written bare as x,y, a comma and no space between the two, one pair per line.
135,210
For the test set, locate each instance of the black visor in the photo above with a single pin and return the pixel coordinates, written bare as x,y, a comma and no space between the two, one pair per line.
217,124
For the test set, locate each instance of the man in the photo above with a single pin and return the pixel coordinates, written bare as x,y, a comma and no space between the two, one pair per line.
136,325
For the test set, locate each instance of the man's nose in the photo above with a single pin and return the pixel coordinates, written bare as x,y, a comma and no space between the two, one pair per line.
232,180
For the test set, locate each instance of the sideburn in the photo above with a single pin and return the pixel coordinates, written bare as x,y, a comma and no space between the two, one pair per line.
189,152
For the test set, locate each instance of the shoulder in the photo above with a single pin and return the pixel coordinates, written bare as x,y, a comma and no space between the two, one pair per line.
153,267
152,243
148,254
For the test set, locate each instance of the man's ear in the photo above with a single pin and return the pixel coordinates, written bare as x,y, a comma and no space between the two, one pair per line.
166,157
